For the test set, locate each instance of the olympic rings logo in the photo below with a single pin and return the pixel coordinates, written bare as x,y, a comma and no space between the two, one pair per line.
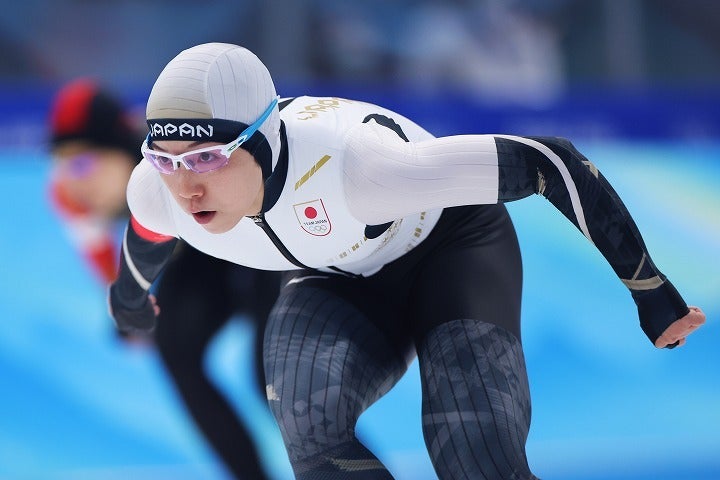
319,229
316,228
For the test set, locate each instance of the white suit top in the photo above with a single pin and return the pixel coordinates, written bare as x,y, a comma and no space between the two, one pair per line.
311,217
357,186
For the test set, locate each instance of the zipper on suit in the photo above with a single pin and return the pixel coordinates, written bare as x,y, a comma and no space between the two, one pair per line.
260,222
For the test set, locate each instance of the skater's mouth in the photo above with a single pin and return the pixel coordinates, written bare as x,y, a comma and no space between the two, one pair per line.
204,216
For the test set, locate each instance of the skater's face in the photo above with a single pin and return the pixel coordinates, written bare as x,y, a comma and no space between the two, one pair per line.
93,178
216,183
217,199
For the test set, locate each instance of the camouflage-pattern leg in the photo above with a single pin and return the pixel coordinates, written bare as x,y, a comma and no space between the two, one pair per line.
325,363
476,401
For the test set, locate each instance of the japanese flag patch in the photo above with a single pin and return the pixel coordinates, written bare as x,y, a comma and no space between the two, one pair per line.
313,218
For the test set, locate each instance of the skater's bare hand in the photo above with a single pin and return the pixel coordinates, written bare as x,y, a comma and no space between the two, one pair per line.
678,331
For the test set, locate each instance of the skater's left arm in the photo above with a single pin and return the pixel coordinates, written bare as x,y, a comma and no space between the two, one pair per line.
555,169
387,177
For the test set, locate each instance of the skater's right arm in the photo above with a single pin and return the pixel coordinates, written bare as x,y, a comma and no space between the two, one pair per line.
144,254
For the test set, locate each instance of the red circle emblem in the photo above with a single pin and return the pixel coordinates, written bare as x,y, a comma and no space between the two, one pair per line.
310,212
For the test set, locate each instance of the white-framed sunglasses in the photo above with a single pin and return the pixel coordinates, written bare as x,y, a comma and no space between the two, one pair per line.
205,159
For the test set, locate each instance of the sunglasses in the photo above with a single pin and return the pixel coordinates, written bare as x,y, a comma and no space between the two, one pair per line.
206,159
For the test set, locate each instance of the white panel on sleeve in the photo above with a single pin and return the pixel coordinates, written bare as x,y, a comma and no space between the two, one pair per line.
564,174
387,178
134,271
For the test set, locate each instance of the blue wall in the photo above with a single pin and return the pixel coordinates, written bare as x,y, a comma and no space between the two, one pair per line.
592,113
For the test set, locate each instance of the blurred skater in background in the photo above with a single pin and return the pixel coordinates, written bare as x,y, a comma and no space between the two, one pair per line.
95,146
